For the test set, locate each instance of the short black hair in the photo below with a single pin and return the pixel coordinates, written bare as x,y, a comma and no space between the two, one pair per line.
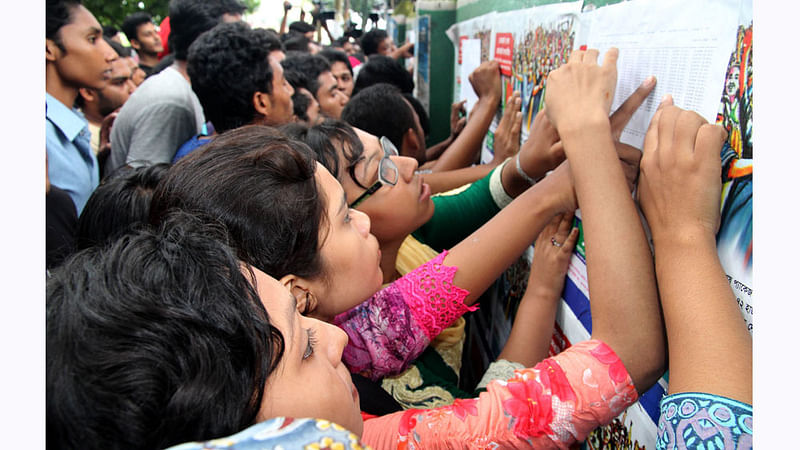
424,120
110,31
131,24
157,339
122,52
380,110
300,27
273,41
300,104
261,185
58,14
228,7
296,43
120,204
383,69
227,66
188,19
371,40
311,66
333,55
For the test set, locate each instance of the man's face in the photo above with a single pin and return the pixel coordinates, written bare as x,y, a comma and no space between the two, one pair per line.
282,110
331,99
386,47
147,39
119,88
137,74
343,77
85,60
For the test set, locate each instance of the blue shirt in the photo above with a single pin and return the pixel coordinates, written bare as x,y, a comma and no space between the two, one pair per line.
72,165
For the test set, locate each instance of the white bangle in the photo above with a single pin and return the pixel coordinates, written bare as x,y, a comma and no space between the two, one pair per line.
522,173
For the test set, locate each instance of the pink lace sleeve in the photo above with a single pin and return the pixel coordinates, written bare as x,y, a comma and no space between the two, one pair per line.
432,297
552,405
393,327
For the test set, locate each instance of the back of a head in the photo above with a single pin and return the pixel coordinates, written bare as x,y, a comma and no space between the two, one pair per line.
227,66
155,340
57,14
383,69
189,19
122,52
297,43
311,66
132,22
273,41
371,40
120,204
300,27
380,110
333,55
261,185
232,7
424,120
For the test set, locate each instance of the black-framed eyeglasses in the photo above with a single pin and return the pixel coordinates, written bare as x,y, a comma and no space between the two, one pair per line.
387,171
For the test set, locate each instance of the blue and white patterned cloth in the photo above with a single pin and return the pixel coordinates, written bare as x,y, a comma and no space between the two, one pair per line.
697,420
284,433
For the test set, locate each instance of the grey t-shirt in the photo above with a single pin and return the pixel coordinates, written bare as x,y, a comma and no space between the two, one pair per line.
157,119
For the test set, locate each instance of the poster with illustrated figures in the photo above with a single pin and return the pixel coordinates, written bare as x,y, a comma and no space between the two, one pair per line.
702,54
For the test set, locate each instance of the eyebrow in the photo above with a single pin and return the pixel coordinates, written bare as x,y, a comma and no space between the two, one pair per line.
343,205
369,161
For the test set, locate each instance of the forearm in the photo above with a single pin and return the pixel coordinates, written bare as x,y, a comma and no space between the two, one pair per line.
529,341
451,179
624,304
462,151
704,324
487,252
435,151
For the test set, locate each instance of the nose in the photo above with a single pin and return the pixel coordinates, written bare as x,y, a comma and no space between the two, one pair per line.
361,221
338,340
108,52
131,86
406,166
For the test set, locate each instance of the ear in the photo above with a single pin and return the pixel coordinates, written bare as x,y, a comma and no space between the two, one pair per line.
88,95
51,50
300,290
135,44
410,144
262,103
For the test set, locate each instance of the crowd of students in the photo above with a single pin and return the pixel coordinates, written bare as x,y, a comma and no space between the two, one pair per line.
261,247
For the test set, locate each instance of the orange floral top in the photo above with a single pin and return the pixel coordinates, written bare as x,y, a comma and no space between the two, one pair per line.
552,405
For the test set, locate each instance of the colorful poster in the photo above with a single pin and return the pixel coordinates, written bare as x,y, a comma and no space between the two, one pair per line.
422,51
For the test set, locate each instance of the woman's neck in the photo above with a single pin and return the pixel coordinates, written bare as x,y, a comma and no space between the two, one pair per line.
389,253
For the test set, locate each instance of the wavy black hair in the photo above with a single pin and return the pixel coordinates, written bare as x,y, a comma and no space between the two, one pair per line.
130,26
57,14
311,66
380,110
158,338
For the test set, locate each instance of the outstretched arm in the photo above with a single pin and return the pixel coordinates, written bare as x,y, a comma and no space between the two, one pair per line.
529,341
679,191
624,303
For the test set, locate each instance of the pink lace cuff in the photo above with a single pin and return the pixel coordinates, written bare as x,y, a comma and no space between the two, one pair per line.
435,302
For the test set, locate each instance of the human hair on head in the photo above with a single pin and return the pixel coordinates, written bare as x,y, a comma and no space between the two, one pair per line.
156,339
110,31
383,69
311,66
333,55
300,104
424,120
120,204
261,185
371,40
57,14
300,27
272,40
297,43
323,139
227,66
380,110
122,52
188,19
132,22
228,7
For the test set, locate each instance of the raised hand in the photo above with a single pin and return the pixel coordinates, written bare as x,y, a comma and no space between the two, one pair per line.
485,80
506,136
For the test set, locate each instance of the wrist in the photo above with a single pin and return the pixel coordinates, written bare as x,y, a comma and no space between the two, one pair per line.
694,237
589,128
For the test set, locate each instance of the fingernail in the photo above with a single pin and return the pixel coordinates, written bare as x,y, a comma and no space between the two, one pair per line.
666,98
649,82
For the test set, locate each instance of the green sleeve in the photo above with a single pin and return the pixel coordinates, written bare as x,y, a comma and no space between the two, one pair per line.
457,216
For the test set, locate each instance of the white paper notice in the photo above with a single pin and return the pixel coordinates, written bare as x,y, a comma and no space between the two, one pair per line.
686,44
471,59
